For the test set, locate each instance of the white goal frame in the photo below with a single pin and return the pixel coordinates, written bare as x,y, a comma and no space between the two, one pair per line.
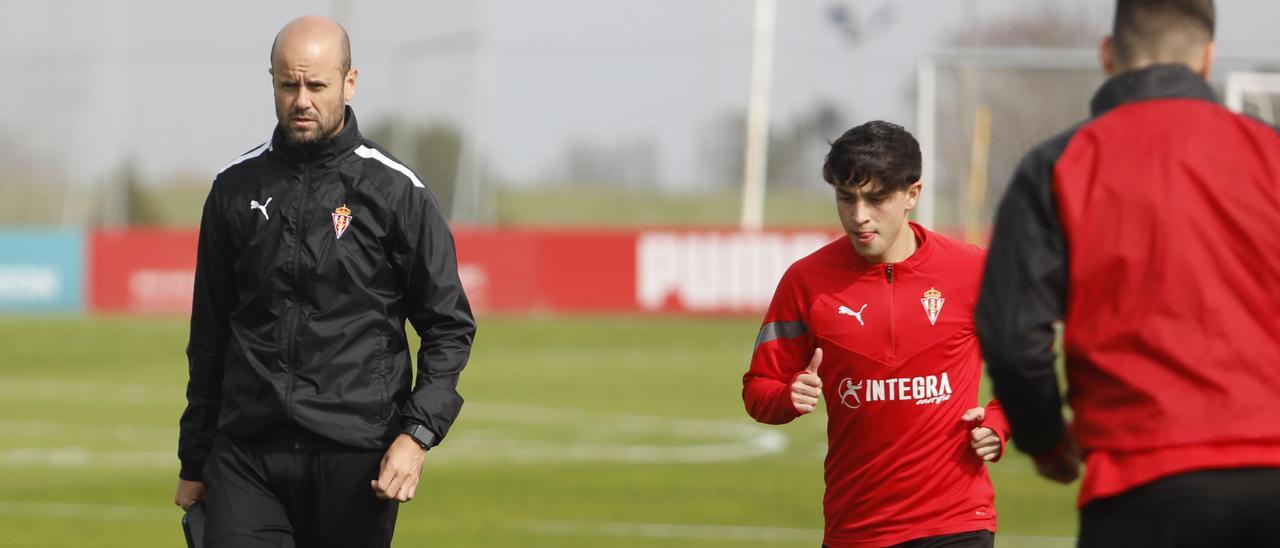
1244,86
1242,82
987,58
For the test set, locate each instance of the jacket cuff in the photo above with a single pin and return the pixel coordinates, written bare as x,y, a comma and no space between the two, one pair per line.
1064,443
996,420
192,471
1001,435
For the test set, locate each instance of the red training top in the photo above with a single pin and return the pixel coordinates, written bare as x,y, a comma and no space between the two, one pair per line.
900,367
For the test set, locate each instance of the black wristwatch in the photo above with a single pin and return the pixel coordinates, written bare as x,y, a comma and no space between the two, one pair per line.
420,434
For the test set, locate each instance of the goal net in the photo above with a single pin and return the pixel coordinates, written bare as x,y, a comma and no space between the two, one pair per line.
1253,93
980,110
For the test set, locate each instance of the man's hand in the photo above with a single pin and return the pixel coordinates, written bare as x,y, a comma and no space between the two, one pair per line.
400,470
1063,464
807,387
983,440
188,493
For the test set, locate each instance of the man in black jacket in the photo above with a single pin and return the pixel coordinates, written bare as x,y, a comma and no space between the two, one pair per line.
303,425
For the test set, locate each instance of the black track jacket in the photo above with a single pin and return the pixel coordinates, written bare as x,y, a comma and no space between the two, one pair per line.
308,265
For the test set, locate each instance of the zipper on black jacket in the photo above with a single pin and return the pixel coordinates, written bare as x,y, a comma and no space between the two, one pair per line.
291,356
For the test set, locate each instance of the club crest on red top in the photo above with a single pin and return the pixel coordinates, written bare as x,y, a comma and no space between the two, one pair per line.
932,302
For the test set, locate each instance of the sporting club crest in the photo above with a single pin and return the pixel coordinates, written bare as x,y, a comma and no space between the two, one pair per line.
341,220
932,302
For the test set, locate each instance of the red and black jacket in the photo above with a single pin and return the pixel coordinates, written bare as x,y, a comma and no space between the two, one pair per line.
1153,231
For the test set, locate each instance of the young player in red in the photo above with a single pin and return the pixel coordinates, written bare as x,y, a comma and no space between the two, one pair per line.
880,324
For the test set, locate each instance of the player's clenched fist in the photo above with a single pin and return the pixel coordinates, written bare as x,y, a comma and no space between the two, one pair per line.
983,440
807,387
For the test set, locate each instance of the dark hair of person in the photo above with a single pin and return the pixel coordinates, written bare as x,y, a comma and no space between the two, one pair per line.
1161,29
875,151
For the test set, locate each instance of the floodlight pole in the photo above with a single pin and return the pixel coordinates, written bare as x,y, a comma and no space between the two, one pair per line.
756,154
926,132
403,137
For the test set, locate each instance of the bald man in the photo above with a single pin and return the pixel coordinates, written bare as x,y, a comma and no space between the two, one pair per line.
303,425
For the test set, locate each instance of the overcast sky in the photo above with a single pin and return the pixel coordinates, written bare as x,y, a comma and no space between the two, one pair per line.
181,87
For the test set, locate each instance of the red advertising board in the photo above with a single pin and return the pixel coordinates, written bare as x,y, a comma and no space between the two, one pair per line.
510,270
697,271
548,270
146,271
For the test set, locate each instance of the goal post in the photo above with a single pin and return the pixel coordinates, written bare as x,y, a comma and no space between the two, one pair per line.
1253,93
978,110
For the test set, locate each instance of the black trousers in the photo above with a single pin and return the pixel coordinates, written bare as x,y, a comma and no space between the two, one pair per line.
972,539
291,496
1209,508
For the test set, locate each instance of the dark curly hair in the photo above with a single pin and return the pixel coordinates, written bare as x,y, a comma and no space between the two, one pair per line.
875,151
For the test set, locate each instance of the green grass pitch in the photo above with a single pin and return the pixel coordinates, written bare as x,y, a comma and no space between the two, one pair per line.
577,432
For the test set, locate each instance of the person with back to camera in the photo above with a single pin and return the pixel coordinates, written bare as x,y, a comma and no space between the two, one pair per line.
1151,231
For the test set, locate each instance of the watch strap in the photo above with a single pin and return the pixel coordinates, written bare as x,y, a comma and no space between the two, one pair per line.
421,434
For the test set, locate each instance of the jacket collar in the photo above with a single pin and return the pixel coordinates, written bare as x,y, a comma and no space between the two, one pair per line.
323,153
1172,81
924,249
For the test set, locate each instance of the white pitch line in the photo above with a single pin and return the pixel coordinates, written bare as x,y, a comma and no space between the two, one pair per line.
491,434
587,437
110,512
739,533
673,531
121,433
1021,541
83,457
13,389
663,531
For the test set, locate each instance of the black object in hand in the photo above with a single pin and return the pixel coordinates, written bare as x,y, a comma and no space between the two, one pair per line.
193,525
